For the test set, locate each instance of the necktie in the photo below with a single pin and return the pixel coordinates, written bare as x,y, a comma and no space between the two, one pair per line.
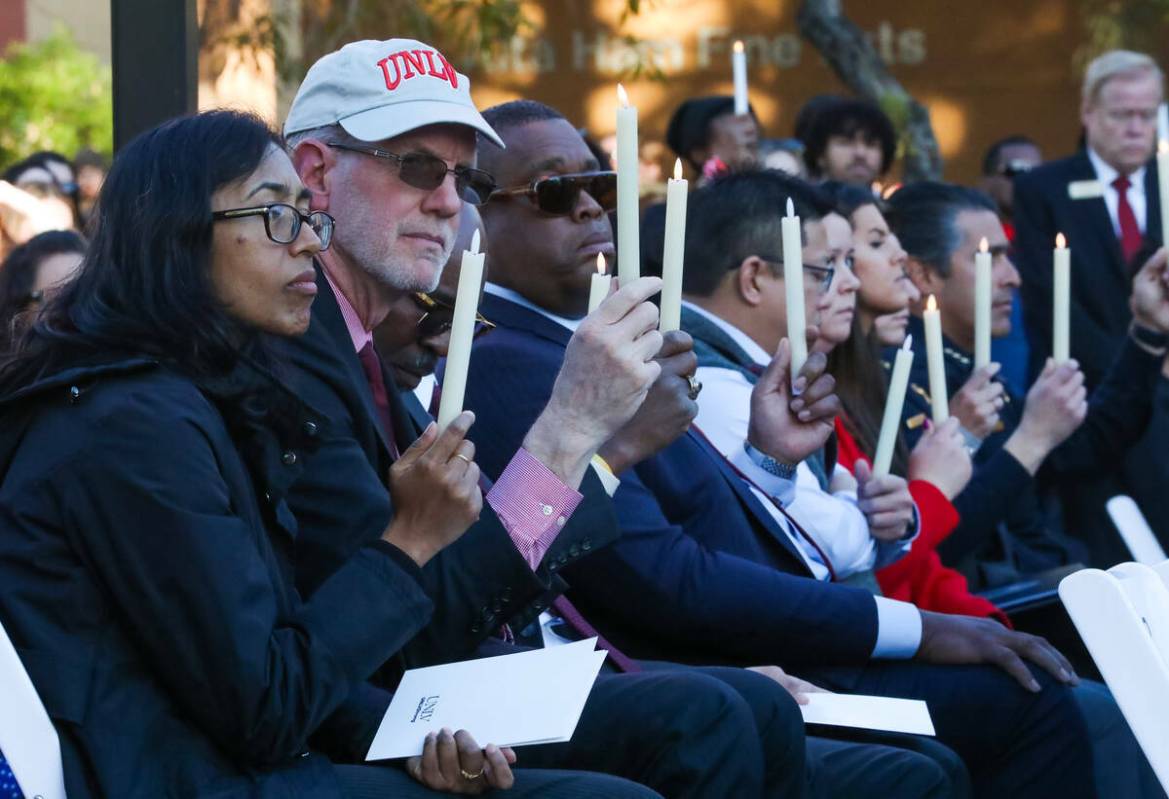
1130,233
371,364
577,622
8,787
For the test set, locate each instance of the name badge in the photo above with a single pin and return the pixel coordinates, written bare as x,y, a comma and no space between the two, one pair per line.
1085,189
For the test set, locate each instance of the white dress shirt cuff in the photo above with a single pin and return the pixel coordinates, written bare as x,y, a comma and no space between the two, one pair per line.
782,491
609,481
898,629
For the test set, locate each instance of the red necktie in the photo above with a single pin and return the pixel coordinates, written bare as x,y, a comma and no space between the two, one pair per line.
1130,233
577,622
371,364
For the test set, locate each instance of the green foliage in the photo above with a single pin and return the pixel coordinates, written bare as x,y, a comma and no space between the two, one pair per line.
1127,24
53,96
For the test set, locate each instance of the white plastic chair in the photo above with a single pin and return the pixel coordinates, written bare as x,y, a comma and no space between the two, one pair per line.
1135,530
27,736
1126,645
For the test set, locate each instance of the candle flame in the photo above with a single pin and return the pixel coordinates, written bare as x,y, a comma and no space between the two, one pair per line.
474,243
983,246
601,266
678,169
1060,241
791,208
908,344
1163,146
622,96
738,46
931,304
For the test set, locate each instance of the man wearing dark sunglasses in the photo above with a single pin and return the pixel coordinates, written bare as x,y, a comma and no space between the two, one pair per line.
705,570
383,135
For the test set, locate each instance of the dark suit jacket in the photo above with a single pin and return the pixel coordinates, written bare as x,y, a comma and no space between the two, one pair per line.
341,502
1005,532
1101,281
145,558
701,573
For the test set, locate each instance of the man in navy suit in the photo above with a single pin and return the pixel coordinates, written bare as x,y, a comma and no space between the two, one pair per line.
1105,200
702,570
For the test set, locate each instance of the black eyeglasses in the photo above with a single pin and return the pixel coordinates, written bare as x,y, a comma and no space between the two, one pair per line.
559,194
438,316
282,222
427,172
1017,167
822,274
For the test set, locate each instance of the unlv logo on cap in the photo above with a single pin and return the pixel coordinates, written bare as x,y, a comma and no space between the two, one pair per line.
407,64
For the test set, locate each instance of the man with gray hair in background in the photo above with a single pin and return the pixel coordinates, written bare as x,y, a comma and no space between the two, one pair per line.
1104,199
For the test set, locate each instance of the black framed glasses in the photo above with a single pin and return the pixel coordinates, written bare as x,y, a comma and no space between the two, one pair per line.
427,172
438,316
282,221
559,194
821,273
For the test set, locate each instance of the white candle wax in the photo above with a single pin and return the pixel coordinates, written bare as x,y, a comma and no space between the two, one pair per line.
982,292
628,193
793,283
1061,300
935,357
894,402
599,288
454,378
1163,185
739,74
674,251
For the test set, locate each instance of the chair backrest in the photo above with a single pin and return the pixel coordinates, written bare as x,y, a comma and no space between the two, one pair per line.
1121,642
1135,530
27,736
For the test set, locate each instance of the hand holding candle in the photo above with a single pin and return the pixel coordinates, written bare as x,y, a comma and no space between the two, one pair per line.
1163,180
982,303
454,378
674,250
793,282
894,403
599,289
628,192
939,394
1061,301
739,74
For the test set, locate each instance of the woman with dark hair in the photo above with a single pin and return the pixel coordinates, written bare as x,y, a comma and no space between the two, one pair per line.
939,466
43,263
145,542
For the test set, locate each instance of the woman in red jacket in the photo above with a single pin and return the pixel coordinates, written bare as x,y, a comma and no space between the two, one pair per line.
939,467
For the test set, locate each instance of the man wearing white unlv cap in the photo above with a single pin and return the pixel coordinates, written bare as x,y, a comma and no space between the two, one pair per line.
383,134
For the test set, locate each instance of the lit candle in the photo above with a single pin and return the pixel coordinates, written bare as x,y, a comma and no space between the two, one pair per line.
793,283
675,249
982,270
599,289
1163,183
939,396
739,73
1061,299
628,194
894,402
454,378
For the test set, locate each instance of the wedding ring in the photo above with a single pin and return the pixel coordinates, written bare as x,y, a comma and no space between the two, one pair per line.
463,457
695,386
469,777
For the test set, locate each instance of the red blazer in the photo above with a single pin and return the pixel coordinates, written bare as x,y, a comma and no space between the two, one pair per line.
920,577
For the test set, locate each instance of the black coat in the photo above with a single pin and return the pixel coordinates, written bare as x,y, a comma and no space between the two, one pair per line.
342,503
1101,280
144,543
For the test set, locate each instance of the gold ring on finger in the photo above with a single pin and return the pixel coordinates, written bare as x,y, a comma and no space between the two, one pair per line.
463,458
469,777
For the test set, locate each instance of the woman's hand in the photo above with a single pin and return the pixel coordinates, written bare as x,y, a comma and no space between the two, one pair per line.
456,764
435,490
941,458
